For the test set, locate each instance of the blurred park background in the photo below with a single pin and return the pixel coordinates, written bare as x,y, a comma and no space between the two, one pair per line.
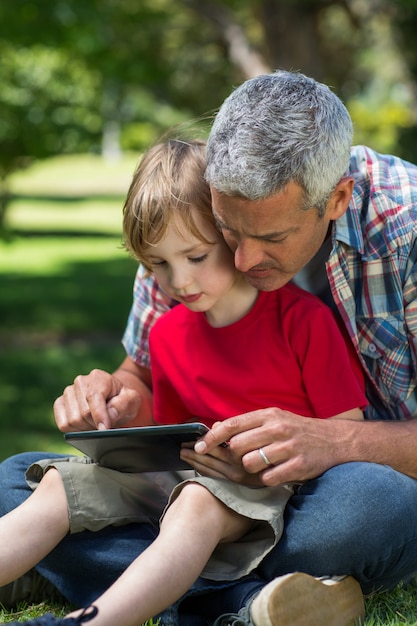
85,86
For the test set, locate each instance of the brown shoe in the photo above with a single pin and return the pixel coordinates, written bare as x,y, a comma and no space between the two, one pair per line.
302,600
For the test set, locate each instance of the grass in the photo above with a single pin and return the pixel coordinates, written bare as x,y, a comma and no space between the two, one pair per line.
65,293
65,290
23,612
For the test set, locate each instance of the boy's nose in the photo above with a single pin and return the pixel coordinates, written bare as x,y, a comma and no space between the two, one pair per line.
180,279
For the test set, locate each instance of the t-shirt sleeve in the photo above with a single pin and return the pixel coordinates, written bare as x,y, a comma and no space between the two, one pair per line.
332,374
149,303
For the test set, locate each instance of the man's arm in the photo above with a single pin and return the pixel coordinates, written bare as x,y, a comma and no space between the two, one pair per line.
102,400
386,442
301,448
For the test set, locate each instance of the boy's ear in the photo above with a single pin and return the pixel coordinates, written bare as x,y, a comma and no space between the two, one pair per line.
340,198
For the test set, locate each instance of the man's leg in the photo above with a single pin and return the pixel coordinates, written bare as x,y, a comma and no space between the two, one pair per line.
358,519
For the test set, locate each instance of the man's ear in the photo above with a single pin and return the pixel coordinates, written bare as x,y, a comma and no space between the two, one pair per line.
340,198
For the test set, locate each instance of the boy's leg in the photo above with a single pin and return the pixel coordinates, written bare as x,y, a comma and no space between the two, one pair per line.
83,565
33,529
191,529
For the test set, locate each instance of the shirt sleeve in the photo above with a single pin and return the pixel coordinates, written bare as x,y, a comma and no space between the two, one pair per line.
149,303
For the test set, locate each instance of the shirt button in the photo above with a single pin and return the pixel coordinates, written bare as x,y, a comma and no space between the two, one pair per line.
372,348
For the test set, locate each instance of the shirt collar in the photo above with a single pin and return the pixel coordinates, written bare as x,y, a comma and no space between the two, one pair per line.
347,229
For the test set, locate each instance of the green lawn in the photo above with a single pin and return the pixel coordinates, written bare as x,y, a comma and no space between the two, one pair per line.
65,293
65,290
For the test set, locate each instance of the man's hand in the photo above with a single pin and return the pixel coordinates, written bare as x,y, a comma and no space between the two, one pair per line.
298,448
101,400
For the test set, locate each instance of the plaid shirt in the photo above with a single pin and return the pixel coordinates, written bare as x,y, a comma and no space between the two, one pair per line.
373,278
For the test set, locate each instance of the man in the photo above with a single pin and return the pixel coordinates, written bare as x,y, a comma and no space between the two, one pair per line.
294,202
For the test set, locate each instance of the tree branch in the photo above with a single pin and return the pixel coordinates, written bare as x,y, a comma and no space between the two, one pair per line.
242,55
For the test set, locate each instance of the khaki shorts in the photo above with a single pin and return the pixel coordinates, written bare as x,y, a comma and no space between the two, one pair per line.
99,497
266,505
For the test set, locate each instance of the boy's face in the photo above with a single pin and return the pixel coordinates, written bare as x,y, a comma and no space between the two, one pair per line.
193,272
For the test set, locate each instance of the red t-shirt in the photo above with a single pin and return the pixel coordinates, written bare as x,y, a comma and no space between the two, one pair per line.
287,352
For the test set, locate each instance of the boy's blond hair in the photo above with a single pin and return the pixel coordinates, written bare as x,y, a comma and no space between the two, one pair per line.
168,183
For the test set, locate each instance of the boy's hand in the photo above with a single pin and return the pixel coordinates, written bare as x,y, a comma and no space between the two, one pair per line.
220,463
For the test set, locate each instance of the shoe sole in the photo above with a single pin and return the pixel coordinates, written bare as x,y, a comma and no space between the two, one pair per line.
302,600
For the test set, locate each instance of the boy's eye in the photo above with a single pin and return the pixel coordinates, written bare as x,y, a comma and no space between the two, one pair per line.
156,263
198,259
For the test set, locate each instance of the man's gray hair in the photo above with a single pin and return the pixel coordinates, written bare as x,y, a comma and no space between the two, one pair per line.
277,128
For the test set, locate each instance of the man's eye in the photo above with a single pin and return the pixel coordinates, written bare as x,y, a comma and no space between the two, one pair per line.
198,259
276,240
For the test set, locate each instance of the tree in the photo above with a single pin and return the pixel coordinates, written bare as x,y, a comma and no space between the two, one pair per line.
144,66
365,50
47,106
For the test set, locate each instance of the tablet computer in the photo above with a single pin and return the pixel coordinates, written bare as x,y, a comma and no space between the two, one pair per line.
143,449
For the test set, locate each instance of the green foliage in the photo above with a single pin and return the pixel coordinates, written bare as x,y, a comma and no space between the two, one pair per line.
380,126
81,74
89,75
47,105
130,47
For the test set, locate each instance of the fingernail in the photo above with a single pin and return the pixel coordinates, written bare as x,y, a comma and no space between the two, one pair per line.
200,446
113,413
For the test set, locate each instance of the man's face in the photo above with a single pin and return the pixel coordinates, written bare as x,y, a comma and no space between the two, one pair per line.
272,239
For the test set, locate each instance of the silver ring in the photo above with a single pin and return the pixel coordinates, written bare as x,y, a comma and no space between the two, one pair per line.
264,457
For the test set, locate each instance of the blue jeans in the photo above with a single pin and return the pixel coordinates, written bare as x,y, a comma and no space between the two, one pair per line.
357,518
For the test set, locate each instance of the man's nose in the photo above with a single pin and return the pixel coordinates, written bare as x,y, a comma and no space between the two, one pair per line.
248,254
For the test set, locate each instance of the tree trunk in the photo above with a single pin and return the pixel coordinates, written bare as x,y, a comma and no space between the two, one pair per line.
249,62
